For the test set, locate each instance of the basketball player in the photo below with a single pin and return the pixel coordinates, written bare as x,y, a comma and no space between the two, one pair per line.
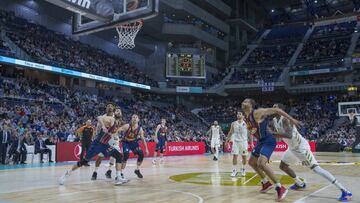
101,145
215,131
87,132
130,141
257,121
114,142
238,134
160,139
299,149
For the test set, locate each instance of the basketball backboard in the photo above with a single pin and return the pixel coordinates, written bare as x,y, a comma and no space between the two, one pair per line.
346,108
117,12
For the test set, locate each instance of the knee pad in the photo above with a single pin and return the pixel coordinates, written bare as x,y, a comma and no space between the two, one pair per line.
81,162
140,156
162,151
126,156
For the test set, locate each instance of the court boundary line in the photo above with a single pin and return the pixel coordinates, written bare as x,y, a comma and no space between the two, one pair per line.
301,200
200,199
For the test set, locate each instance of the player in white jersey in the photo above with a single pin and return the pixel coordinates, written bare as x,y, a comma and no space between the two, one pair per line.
215,132
239,137
299,150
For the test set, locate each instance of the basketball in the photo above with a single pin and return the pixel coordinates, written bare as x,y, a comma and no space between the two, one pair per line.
132,5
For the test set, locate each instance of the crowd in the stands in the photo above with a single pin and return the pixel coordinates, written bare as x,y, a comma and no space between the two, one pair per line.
251,76
197,22
327,42
36,108
49,47
271,55
4,49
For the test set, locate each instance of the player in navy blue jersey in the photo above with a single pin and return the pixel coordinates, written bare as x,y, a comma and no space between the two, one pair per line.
130,142
109,128
257,121
160,139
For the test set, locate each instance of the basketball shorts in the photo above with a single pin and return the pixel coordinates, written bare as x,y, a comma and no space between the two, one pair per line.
130,146
215,143
301,154
239,148
264,147
97,148
114,143
160,145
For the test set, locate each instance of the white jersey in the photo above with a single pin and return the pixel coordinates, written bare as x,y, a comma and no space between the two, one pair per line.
240,133
215,132
115,142
296,139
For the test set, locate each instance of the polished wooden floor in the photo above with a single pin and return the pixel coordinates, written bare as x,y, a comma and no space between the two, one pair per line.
39,184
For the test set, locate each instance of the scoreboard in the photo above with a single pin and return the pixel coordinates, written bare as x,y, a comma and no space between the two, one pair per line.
182,65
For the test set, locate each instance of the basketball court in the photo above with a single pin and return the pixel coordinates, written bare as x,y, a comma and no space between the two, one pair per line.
179,179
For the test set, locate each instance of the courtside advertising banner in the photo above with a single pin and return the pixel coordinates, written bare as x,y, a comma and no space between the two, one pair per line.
280,147
70,151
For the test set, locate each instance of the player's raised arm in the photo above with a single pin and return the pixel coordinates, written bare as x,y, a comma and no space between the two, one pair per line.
285,131
100,120
141,133
263,112
123,128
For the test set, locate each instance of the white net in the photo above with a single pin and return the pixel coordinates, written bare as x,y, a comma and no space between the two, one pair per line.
127,33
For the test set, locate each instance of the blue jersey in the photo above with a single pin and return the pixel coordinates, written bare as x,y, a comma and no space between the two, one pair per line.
258,130
266,141
162,133
131,134
264,133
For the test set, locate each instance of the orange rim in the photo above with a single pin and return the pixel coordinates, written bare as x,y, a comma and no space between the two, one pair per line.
132,25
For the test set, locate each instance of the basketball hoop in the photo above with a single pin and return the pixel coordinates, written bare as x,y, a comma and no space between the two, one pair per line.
127,33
